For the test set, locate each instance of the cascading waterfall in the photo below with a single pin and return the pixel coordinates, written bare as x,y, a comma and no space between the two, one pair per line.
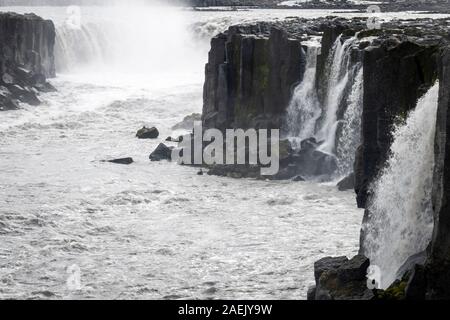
401,218
350,135
339,76
304,108
130,40
78,47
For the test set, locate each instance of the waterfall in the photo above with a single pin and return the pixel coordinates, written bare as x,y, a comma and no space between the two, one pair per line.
78,47
350,135
304,108
129,40
339,76
401,218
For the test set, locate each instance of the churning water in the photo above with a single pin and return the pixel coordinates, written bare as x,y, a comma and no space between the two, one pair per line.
401,220
148,230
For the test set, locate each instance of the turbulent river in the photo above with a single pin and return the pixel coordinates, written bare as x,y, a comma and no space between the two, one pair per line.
148,230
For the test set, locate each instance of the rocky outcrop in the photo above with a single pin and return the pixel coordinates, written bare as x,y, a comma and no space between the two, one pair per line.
26,58
147,133
438,265
341,279
250,76
397,71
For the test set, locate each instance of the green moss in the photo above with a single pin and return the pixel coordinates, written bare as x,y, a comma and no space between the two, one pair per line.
395,292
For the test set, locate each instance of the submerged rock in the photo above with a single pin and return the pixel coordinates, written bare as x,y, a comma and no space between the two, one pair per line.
147,133
162,152
121,161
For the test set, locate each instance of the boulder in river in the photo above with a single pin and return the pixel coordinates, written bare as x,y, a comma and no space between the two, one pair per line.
122,161
188,122
147,133
162,152
341,279
126,161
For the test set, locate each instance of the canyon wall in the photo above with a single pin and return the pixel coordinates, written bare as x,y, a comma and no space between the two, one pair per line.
438,265
26,58
250,76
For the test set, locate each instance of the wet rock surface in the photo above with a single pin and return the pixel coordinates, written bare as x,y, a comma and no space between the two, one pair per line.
26,59
249,84
341,279
162,152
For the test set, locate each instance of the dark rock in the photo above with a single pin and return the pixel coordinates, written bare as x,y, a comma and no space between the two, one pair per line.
416,259
26,56
311,295
416,286
122,161
188,122
342,279
162,152
327,264
147,133
170,139
200,173
347,183
309,144
298,179
250,76
25,95
396,74
6,100
438,264
354,269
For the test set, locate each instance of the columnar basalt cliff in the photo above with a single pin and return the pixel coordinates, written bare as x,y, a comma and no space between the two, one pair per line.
26,58
397,71
437,276
250,78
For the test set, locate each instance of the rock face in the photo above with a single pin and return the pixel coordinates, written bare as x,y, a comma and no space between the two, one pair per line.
341,279
147,133
212,3
26,58
250,77
162,152
438,265
397,72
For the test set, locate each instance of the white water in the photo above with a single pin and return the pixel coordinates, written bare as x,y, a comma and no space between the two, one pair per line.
338,80
149,230
350,136
304,108
401,220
